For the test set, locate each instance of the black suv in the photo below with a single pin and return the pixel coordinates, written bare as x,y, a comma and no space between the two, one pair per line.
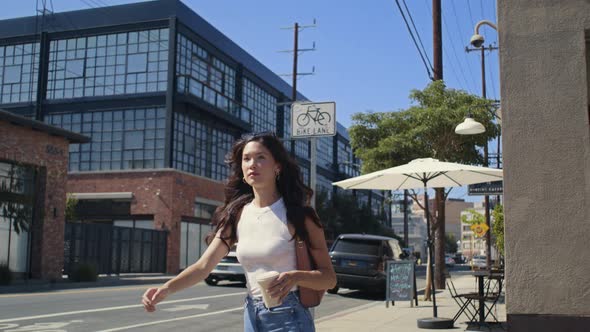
359,260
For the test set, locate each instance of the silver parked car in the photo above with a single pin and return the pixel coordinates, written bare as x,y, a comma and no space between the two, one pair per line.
228,269
479,261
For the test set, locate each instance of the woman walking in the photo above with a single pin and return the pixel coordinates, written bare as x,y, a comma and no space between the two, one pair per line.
265,209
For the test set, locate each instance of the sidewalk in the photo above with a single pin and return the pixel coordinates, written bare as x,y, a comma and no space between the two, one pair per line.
124,279
376,317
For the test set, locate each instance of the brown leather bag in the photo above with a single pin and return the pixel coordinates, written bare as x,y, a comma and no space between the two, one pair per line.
308,297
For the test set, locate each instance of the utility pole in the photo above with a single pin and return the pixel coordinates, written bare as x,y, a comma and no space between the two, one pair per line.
294,74
438,75
295,54
437,42
486,202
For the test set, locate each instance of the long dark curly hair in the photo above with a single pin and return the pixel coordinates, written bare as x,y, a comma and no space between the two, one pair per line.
296,195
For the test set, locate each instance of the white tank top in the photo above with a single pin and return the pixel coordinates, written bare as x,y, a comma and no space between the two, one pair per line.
264,242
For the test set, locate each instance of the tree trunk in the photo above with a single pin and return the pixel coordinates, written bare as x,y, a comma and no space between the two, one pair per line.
439,239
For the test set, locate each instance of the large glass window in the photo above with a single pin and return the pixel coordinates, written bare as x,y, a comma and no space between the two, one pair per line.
192,241
305,172
121,139
324,185
16,214
104,65
206,77
377,204
204,211
347,163
262,105
362,197
199,147
19,69
325,152
302,148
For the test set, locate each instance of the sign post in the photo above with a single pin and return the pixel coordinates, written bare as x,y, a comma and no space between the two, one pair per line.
486,188
313,120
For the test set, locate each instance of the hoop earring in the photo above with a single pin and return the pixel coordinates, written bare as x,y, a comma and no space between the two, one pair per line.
278,176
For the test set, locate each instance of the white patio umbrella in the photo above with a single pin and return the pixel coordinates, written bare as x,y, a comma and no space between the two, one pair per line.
423,173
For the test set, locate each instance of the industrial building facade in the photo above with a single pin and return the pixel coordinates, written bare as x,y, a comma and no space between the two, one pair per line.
163,95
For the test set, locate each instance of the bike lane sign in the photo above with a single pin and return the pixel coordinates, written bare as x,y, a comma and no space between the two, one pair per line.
313,119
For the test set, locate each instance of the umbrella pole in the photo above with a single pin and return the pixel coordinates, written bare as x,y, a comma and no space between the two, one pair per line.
430,252
435,322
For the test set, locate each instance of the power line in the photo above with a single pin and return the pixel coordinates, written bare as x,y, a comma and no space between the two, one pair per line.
492,78
470,14
454,48
483,16
463,34
417,33
428,69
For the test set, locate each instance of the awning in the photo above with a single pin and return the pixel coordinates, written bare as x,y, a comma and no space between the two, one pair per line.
115,195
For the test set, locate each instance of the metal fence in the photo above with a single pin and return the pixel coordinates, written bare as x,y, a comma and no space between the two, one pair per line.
114,250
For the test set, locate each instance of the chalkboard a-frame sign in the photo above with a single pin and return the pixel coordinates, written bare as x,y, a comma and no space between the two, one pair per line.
401,282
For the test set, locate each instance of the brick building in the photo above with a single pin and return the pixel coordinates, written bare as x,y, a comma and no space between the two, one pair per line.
33,175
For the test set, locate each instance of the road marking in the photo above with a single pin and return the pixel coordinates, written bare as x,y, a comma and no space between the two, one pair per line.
172,320
188,307
39,327
16,319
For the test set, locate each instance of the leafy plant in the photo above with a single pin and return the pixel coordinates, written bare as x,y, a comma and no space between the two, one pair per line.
473,217
498,229
83,272
450,244
71,204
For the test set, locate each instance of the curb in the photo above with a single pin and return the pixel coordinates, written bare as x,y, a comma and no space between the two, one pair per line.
33,286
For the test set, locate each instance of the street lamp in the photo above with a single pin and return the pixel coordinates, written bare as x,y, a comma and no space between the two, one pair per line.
477,40
471,127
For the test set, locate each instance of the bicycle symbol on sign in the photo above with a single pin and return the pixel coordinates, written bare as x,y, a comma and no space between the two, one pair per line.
313,113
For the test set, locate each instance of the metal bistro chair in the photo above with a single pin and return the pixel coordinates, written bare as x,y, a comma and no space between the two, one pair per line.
464,301
493,292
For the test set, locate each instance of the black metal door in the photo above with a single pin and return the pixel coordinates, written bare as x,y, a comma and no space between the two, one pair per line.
113,249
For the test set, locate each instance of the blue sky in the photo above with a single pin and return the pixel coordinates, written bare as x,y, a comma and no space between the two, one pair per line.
364,60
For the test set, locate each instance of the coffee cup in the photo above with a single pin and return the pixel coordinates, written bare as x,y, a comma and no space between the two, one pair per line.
264,280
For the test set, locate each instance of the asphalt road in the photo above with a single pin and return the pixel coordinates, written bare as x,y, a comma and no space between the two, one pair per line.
200,308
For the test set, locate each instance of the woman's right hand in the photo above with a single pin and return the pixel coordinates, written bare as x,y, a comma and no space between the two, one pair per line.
153,296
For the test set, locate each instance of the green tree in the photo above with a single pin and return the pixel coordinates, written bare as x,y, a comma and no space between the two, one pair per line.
71,204
473,217
498,227
342,214
425,129
450,244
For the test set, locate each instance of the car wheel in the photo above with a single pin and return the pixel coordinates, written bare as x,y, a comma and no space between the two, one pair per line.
211,281
333,290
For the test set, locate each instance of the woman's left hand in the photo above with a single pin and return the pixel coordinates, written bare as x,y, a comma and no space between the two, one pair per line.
282,285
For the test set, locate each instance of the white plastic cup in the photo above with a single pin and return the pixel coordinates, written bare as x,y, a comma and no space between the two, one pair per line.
264,280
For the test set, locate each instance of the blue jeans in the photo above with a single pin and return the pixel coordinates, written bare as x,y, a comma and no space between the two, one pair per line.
290,316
